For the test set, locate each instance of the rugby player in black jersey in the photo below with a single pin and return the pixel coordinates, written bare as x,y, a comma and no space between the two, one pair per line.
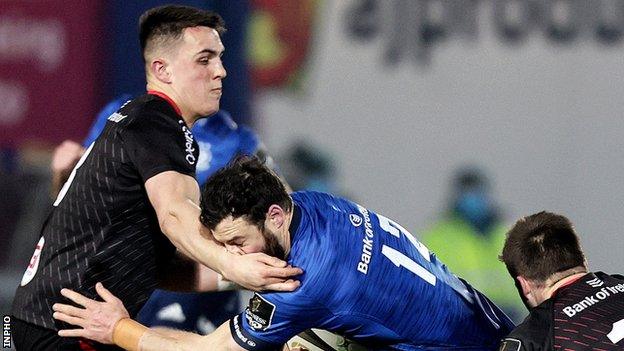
132,199
570,307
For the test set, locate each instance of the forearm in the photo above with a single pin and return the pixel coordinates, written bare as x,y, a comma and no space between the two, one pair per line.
169,339
181,225
133,336
177,340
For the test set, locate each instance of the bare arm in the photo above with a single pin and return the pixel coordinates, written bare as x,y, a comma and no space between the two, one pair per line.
108,322
175,197
220,339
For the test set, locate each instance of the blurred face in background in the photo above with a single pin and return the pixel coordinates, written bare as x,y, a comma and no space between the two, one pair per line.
196,71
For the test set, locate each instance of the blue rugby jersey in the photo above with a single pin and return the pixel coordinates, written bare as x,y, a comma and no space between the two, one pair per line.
368,279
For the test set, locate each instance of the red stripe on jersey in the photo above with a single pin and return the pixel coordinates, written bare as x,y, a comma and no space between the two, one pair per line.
166,97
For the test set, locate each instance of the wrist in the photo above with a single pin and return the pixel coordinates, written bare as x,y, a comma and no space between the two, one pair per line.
224,262
127,334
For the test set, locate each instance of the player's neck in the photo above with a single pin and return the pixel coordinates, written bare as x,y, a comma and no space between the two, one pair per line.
173,98
561,279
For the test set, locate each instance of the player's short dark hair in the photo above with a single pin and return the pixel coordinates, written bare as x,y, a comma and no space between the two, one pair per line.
169,21
540,245
244,188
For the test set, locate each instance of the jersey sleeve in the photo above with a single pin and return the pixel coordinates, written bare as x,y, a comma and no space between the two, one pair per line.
158,143
270,320
100,120
534,333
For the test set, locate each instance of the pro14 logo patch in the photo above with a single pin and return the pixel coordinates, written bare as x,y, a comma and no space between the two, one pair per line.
509,344
259,313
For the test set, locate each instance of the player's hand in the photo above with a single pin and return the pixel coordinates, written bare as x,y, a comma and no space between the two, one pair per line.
97,319
66,156
259,272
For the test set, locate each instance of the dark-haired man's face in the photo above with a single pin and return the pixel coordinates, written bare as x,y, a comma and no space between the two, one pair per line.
197,71
239,236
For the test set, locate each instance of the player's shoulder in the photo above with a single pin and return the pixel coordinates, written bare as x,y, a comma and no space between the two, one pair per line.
115,105
605,276
322,220
325,210
318,198
534,333
150,115
302,196
145,109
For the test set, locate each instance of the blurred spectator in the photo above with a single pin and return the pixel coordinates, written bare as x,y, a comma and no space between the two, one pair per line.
469,237
308,168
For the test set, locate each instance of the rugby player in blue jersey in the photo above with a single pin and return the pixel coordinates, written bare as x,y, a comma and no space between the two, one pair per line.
365,277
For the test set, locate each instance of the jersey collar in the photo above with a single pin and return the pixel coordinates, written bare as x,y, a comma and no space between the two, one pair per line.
568,283
167,98
294,222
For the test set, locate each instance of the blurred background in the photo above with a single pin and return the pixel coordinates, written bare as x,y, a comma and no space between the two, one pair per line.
428,111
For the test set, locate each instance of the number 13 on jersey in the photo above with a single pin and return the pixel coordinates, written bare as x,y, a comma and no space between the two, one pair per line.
398,258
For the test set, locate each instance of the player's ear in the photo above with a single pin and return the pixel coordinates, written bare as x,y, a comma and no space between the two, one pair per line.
276,215
526,285
159,69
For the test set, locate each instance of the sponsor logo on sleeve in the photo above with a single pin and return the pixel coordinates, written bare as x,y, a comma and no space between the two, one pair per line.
355,220
510,344
259,313
188,144
239,335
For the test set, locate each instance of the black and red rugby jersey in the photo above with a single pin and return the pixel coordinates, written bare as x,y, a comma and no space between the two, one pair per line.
102,227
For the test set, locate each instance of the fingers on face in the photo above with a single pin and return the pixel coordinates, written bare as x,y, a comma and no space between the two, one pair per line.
288,285
283,272
275,262
266,259
279,268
